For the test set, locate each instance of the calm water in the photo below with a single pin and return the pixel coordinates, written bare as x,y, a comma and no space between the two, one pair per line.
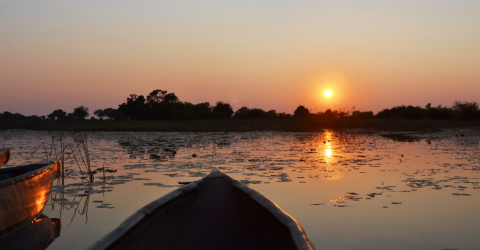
348,190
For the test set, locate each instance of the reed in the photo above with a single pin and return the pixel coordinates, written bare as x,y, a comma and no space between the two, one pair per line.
87,157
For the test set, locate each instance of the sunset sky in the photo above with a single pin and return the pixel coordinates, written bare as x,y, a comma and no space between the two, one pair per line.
267,54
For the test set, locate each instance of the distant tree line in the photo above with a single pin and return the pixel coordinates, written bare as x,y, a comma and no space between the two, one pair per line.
161,105
80,112
459,111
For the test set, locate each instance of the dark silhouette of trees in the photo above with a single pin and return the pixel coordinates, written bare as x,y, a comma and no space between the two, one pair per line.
134,107
459,110
160,97
34,118
110,113
255,113
99,113
301,112
439,112
161,105
408,112
466,110
80,112
241,113
283,115
57,115
222,110
329,114
362,115
7,116
272,113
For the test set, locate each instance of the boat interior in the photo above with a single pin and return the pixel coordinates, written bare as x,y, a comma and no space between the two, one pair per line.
215,215
8,173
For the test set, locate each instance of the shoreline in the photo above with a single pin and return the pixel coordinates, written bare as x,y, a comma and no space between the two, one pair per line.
237,125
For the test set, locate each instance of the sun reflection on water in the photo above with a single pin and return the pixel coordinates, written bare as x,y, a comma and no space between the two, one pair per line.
328,152
328,144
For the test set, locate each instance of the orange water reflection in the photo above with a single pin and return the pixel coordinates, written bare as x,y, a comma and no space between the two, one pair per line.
328,144
328,152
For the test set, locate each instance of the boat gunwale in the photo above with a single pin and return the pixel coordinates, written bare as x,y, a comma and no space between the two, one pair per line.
5,153
28,175
3,150
296,230
298,234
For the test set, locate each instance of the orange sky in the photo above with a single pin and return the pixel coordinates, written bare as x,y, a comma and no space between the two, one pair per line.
263,54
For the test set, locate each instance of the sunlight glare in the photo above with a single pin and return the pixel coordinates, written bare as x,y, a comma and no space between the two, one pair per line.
328,93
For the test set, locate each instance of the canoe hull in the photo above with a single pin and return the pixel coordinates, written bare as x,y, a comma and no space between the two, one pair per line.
23,198
216,212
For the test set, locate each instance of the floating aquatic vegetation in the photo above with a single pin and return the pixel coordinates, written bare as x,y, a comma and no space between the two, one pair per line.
68,203
157,185
59,199
246,182
352,198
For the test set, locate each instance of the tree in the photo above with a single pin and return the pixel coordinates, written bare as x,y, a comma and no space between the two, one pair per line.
362,115
272,113
7,116
170,98
34,118
204,105
329,114
222,110
99,113
134,107
70,116
156,97
160,97
466,110
241,113
80,112
301,112
110,113
283,115
57,115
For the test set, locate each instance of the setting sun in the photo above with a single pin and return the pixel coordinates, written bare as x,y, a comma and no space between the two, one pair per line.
328,93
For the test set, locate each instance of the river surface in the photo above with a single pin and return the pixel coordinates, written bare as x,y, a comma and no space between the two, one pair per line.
349,190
